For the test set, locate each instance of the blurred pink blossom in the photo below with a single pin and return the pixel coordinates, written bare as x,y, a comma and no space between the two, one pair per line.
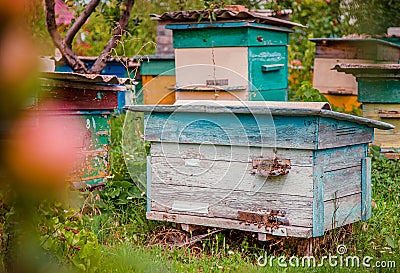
64,16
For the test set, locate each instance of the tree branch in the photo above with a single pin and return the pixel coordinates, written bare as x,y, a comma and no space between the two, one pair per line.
80,21
72,60
101,61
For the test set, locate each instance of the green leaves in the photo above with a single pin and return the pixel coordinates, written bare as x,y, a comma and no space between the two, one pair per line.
307,93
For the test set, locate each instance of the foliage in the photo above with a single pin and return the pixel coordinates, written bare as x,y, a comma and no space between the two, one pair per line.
140,34
307,93
372,17
322,18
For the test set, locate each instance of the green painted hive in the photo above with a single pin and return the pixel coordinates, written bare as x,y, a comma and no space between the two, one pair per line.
379,92
285,169
93,101
244,54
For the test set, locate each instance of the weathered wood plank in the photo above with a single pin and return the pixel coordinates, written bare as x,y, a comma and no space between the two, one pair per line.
292,231
325,79
229,175
284,109
148,183
342,182
337,133
232,129
227,203
379,90
342,211
229,153
385,138
80,99
318,201
341,157
366,197
196,66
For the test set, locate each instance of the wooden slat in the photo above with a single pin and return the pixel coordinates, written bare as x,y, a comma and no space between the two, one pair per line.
80,99
379,90
232,129
229,175
231,153
366,197
342,211
341,157
342,182
336,133
318,201
293,112
227,203
292,231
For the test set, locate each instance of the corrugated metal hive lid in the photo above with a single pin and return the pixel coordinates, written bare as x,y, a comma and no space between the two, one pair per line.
371,70
84,78
250,107
355,41
225,15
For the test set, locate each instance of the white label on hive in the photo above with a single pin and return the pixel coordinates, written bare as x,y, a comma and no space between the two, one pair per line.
192,162
190,206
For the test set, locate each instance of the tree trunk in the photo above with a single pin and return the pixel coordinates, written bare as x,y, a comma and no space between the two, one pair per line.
69,55
101,61
80,21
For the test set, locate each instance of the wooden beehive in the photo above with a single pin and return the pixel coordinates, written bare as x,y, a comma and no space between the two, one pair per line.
379,92
93,98
158,79
288,169
341,89
238,56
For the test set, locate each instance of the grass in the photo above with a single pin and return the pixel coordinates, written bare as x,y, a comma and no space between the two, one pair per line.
106,231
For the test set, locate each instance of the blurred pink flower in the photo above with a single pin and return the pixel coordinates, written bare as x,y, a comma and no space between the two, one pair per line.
63,15
296,63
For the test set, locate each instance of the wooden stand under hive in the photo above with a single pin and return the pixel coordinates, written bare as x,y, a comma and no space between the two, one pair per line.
286,169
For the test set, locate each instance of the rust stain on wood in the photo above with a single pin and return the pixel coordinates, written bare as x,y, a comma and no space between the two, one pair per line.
268,218
264,166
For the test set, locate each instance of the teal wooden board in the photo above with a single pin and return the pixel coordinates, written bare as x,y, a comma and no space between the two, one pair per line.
227,37
366,186
270,95
95,166
336,133
157,67
232,129
318,201
261,58
381,90
287,110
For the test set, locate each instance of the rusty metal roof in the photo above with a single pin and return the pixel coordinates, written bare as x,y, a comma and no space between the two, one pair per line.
130,62
261,17
369,69
353,40
84,78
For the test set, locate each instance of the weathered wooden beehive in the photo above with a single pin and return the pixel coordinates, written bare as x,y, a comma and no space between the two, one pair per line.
294,169
341,89
379,92
243,55
93,99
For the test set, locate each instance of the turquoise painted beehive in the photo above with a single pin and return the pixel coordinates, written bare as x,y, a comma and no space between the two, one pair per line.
244,53
379,92
286,169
